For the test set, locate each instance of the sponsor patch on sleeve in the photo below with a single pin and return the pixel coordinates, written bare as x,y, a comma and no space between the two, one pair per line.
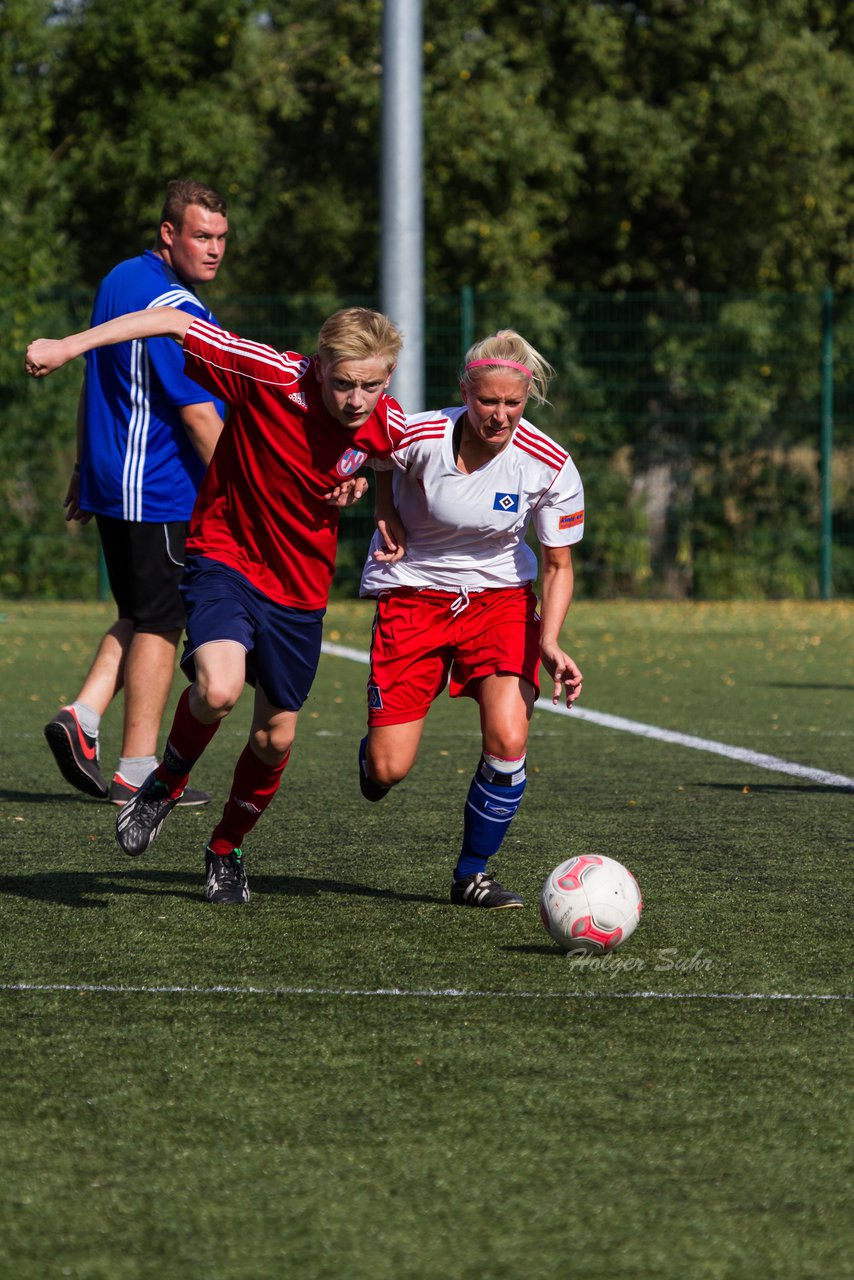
569,522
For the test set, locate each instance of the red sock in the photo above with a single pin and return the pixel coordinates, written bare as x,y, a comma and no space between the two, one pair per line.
188,738
253,787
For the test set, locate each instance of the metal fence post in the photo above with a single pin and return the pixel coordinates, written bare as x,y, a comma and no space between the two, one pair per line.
466,319
826,573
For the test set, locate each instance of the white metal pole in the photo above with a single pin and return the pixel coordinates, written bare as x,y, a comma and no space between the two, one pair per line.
402,203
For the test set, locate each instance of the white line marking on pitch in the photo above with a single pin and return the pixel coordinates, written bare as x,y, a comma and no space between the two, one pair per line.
96,988
756,758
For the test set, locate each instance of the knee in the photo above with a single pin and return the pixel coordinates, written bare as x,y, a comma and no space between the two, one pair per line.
506,746
386,770
213,698
272,744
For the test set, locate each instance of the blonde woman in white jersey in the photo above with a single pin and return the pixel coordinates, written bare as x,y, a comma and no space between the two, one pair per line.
453,577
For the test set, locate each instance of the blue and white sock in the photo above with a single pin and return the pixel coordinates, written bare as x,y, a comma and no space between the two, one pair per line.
494,796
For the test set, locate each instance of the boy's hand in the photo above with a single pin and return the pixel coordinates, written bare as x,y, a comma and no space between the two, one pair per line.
347,493
44,355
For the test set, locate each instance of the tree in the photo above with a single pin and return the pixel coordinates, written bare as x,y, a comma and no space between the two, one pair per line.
669,145
716,142
582,160
38,254
145,93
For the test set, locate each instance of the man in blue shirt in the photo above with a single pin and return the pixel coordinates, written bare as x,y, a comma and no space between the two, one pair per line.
146,433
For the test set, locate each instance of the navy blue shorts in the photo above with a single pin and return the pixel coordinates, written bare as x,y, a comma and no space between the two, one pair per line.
282,644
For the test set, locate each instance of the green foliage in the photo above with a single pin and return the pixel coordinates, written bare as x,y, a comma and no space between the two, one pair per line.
144,94
38,253
625,184
673,146
251,99
752,536
714,146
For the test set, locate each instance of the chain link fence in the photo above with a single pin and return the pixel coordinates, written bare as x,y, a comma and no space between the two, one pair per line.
714,434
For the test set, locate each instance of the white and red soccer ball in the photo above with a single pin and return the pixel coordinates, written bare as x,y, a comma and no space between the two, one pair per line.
590,904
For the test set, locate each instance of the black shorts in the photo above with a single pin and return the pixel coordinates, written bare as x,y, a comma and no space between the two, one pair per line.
145,563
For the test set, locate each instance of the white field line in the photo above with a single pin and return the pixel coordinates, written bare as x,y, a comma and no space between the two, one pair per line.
105,988
755,758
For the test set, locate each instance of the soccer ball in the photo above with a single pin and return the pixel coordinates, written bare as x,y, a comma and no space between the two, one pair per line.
590,904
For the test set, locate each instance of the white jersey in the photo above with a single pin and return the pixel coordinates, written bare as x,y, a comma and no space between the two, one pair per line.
468,531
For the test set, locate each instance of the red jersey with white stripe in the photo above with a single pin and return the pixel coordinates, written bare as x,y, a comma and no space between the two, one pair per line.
469,530
261,508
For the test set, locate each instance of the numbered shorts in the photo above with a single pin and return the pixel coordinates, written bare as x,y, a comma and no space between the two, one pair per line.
419,645
145,562
282,644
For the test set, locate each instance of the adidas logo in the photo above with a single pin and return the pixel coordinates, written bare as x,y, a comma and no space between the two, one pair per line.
246,804
298,398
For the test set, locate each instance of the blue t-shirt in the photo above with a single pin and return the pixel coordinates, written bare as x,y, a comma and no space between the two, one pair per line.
138,463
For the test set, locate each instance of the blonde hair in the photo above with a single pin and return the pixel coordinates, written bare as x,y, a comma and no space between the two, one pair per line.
356,333
508,350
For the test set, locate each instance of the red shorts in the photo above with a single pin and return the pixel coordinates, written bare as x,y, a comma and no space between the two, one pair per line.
418,642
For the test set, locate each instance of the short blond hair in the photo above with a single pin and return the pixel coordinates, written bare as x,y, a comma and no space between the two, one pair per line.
357,333
508,352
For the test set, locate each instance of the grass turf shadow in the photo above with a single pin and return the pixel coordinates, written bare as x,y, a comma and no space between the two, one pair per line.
91,888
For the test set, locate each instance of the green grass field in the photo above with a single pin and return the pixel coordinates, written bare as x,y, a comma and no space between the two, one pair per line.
349,1078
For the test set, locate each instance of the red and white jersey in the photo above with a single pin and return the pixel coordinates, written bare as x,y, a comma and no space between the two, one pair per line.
260,508
469,530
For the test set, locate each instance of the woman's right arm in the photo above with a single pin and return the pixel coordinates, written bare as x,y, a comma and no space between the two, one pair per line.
44,355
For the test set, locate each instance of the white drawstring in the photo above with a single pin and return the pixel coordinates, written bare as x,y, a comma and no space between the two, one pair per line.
461,602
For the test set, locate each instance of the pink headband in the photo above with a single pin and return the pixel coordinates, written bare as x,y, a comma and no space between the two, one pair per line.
510,364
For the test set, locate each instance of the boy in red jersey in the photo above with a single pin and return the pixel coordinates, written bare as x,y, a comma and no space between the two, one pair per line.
261,548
